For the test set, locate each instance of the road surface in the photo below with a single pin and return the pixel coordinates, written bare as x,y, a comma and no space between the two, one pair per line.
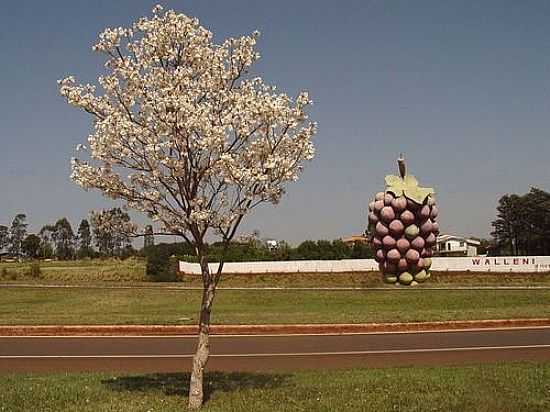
273,352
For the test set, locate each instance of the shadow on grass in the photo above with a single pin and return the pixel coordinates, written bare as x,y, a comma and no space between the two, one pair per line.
178,383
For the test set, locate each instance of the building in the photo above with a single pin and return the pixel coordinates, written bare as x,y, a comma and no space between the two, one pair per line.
452,245
272,244
350,240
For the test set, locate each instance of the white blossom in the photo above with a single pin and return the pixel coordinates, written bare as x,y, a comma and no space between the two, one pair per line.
181,131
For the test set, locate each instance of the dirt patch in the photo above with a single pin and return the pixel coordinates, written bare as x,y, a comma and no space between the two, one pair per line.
160,330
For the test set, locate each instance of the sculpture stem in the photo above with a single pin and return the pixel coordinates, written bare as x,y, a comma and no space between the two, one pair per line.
401,165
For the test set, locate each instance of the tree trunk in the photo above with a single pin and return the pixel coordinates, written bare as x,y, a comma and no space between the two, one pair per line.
196,392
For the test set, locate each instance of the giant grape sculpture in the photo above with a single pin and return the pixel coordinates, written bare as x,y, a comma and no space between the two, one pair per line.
403,228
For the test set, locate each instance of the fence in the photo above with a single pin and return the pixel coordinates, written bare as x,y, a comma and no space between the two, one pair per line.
451,264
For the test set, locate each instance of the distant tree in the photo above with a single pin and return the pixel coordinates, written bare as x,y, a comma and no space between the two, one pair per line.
283,251
325,250
84,238
361,250
31,246
486,246
46,239
18,231
64,239
537,205
4,237
507,226
112,231
522,226
340,250
307,250
149,238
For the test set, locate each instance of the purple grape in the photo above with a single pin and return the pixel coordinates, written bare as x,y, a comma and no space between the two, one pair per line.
381,229
403,245
412,256
379,256
426,227
396,228
399,204
376,242
387,214
407,217
388,242
393,256
430,240
424,212
373,219
418,243
402,265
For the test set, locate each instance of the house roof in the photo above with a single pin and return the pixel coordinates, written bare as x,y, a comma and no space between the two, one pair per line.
355,238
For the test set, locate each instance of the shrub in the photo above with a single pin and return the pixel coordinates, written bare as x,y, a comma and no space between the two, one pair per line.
34,270
161,263
9,274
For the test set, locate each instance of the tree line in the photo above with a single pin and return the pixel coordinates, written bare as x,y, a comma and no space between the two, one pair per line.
109,233
522,226
105,234
257,250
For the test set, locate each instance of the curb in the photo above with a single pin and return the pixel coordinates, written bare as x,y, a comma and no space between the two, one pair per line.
163,330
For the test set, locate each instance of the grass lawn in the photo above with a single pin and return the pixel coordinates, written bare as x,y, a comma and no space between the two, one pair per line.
132,272
141,306
110,270
513,387
374,279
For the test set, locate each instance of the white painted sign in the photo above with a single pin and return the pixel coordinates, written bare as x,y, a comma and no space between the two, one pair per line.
498,264
451,264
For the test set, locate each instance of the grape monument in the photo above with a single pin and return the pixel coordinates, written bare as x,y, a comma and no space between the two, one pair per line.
403,228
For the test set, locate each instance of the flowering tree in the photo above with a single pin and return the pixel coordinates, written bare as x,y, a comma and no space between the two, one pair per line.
183,133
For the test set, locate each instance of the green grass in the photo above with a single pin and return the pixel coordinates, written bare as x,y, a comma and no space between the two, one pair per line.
132,271
157,306
374,279
513,387
109,270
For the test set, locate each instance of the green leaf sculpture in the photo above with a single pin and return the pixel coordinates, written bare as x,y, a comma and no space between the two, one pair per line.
407,185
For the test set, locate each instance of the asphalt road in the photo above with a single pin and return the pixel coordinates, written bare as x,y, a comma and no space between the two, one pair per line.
272,352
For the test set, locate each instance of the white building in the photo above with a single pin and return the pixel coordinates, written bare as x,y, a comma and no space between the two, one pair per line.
451,245
272,244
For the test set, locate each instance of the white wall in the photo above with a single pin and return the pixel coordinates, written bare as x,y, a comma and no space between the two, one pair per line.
451,264
493,264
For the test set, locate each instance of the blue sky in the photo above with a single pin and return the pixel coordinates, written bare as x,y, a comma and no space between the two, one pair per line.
462,88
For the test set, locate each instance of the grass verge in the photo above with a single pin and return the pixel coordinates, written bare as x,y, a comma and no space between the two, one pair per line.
484,388
106,270
132,272
161,306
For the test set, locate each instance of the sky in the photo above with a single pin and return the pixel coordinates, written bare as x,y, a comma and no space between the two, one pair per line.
461,88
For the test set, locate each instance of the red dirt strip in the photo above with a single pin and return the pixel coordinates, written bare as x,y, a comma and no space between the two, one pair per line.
159,330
